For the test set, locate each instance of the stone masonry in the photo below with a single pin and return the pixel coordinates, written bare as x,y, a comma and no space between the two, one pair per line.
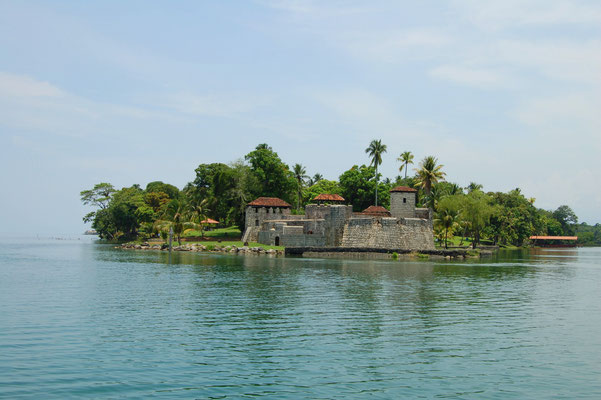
270,222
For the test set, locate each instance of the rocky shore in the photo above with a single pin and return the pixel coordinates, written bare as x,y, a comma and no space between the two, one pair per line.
202,248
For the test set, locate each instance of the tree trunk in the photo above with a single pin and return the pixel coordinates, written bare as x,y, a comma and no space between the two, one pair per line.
445,238
376,185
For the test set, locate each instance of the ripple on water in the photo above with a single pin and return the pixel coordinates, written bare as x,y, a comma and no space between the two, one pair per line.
93,321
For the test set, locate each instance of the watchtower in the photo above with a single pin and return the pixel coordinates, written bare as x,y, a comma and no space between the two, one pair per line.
402,202
261,210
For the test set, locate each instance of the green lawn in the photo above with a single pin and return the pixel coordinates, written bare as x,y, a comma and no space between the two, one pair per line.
230,232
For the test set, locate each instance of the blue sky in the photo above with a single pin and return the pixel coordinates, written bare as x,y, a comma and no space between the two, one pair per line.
505,93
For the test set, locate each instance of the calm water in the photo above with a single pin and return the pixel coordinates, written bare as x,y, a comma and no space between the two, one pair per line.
79,319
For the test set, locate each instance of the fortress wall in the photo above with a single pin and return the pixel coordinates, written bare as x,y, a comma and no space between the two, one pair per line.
416,234
372,232
422,213
256,216
335,222
303,240
389,233
293,230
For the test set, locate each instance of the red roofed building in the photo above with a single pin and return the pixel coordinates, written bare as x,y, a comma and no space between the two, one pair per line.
269,202
402,203
261,210
329,199
403,189
376,211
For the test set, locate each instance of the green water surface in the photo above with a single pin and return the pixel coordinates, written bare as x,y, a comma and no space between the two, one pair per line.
83,320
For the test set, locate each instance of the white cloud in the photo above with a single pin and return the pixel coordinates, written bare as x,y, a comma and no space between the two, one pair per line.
12,85
501,14
471,76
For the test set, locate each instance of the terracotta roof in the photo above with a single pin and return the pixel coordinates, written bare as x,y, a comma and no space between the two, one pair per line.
269,202
553,237
377,211
403,189
209,221
328,197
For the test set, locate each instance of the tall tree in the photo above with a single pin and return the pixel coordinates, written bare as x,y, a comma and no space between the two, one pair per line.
448,215
99,196
473,186
274,177
476,208
315,179
567,218
357,187
300,174
429,173
405,159
375,151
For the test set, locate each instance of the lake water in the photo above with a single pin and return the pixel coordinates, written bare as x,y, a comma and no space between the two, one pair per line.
82,320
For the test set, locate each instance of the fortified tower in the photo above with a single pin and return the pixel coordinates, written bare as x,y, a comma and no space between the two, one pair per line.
402,202
261,210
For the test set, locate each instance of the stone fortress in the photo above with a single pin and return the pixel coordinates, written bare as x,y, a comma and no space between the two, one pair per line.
330,223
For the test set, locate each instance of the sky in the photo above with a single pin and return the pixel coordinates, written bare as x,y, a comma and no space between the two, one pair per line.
504,93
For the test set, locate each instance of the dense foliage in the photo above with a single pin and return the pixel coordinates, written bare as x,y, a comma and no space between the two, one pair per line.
222,191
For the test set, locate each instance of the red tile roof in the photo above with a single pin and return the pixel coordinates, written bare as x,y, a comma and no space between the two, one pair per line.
403,189
209,221
377,211
269,202
328,197
553,237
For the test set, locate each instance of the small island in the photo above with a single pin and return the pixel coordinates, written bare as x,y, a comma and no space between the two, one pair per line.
261,203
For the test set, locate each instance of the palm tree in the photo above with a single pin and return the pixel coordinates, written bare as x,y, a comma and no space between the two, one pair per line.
300,174
405,158
197,212
375,151
316,178
473,186
447,218
175,217
429,173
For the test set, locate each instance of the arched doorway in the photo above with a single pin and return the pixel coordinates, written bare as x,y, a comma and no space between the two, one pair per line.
277,240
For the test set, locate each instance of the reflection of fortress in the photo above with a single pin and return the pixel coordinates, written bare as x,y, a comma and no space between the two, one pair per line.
330,223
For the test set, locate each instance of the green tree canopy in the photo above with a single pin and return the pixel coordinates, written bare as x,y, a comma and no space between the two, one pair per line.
428,173
323,186
358,186
567,218
158,186
406,158
476,208
274,178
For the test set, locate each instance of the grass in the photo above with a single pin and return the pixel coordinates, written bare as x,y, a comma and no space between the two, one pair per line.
230,232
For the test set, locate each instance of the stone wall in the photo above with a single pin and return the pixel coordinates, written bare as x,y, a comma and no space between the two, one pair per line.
424,213
291,240
388,233
335,226
256,216
416,234
335,222
402,204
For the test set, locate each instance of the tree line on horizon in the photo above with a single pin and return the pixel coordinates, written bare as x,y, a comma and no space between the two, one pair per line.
222,191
